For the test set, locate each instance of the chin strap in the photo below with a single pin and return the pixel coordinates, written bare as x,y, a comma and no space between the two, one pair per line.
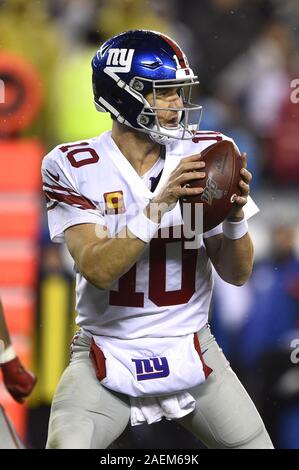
171,135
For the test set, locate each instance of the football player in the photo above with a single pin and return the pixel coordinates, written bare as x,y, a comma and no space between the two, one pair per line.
18,381
144,349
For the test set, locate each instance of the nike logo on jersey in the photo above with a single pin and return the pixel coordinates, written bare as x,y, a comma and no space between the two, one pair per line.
55,177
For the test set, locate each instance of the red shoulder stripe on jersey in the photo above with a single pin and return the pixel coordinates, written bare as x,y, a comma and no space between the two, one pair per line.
59,188
65,148
178,52
207,132
70,199
207,370
200,138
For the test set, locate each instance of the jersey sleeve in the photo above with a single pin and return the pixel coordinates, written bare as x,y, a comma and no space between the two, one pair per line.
66,206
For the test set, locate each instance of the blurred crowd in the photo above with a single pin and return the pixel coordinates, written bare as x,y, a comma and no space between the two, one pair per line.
245,53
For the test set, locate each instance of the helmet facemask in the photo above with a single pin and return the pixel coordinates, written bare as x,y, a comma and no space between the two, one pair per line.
189,115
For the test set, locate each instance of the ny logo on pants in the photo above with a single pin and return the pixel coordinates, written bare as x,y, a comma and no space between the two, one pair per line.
152,368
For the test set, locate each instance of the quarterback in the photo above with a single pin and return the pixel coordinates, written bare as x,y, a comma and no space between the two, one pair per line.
144,349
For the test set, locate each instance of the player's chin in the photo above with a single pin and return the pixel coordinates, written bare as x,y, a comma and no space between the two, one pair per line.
171,123
171,126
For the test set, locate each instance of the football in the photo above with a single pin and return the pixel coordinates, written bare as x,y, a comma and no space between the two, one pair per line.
223,165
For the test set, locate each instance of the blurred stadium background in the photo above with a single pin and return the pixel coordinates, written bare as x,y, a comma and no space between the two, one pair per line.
246,55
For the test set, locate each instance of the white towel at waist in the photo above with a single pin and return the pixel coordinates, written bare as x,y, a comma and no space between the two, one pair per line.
153,409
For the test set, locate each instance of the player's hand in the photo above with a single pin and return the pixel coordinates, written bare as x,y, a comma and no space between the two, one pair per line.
189,168
18,381
237,213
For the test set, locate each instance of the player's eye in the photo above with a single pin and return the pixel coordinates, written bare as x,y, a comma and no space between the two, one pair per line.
161,92
170,93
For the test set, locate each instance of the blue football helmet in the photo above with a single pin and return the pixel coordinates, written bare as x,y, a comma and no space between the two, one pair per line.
132,64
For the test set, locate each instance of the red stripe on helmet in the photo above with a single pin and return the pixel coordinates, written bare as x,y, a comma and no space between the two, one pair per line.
177,50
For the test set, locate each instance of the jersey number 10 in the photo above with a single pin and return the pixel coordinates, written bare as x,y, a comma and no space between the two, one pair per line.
126,296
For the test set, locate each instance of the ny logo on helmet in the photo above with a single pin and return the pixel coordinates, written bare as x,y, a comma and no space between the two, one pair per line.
120,60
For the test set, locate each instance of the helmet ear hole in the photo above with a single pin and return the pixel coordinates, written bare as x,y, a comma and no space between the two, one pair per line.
117,99
144,120
138,85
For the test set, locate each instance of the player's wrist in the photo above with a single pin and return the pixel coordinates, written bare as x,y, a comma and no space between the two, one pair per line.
235,230
7,355
236,215
156,209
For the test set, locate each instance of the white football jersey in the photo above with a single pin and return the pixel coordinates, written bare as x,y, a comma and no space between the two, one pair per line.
168,291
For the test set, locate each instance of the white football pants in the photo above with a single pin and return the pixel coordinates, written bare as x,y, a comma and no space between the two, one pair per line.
86,415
